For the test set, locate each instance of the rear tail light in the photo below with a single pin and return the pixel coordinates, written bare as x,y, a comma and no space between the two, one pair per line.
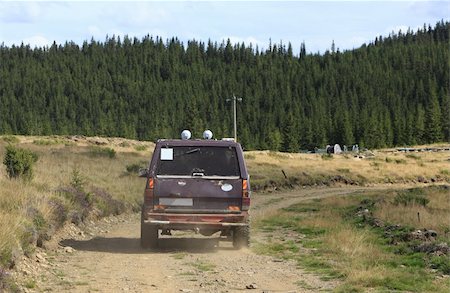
159,207
245,195
148,193
151,183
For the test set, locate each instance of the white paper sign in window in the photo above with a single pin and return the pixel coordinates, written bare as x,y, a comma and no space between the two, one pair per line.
166,154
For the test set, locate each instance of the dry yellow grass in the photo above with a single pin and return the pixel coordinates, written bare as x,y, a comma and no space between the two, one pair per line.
383,167
54,169
435,215
10,226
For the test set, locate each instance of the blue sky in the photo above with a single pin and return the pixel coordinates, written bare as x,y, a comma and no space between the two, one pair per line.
317,23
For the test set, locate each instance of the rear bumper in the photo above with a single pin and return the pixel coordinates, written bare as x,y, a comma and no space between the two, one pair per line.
189,221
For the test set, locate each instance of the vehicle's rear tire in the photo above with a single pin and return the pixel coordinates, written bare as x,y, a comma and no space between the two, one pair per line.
149,236
241,237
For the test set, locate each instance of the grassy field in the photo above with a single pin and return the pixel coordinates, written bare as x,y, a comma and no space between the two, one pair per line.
78,178
367,241
318,169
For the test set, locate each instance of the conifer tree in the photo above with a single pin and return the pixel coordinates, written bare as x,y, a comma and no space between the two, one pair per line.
433,127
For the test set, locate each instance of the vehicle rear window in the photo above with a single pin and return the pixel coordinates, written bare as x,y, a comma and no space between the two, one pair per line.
200,161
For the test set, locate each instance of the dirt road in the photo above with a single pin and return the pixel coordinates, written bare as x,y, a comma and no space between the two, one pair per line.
106,257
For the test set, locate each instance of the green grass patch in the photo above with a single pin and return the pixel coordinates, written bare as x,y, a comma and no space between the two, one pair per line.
98,151
179,255
440,263
314,263
327,156
413,156
202,266
124,144
281,249
274,201
302,208
30,284
411,196
338,243
445,172
304,285
140,148
281,221
135,167
47,142
10,139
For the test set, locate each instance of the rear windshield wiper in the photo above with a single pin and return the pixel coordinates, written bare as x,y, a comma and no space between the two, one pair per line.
191,151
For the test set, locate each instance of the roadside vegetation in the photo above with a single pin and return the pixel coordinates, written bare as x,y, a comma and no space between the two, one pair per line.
45,185
367,241
47,182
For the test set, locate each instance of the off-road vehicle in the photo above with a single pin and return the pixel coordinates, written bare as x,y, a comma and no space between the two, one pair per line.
196,184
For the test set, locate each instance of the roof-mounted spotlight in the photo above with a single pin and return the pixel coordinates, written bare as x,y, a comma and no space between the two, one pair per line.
185,134
207,134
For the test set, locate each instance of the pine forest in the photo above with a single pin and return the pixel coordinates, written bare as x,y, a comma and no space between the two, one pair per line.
393,91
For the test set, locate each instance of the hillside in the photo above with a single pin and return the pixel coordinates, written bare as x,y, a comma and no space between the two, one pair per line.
392,91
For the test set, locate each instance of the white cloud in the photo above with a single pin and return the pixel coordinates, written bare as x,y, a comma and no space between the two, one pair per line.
139,14
19,12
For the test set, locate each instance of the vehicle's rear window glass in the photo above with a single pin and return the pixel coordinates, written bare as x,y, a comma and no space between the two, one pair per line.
200,161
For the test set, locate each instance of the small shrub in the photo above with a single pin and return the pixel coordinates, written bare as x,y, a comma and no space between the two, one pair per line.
413,156
30,284
124,144
80,200
444,172
11,139
327,156
388,160
77,180
441,263
103,152
19,162
105,203
400,161
140,148
134,168
59,211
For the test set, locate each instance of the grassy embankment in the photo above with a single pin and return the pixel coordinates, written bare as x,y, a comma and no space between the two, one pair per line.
74,179
366,241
